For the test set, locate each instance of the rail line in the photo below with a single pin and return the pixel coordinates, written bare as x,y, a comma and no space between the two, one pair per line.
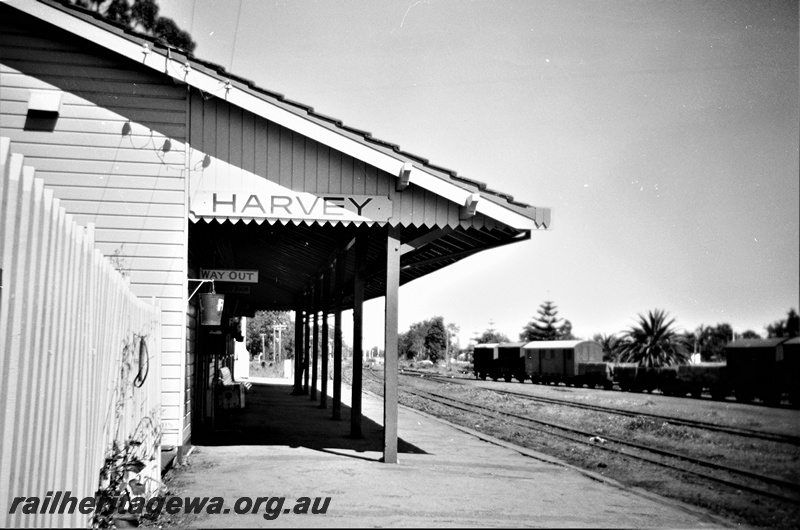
715,427
585,437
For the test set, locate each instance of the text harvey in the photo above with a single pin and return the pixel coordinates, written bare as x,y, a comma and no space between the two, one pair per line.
293,206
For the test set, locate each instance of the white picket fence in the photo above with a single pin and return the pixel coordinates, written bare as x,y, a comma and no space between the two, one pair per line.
80,355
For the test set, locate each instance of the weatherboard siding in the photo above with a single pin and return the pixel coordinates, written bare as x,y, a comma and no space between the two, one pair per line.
191,324
128,184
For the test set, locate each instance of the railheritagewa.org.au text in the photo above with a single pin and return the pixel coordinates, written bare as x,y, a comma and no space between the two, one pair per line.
269,507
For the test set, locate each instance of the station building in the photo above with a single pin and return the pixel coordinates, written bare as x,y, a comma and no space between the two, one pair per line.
189,172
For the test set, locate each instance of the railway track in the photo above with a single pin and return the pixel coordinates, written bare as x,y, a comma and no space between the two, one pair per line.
738,479
715,427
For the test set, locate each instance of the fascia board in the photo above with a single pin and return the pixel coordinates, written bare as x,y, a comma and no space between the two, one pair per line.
245,100
512,219
438,186
460,196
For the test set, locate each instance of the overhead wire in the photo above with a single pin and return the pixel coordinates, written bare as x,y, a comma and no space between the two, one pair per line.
236,33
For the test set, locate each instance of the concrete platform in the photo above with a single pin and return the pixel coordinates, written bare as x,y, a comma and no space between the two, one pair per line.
284,446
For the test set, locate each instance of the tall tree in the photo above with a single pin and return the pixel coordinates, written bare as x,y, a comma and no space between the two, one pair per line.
750,334
142,16
787,327
452,341
424,340
264,322
710,341
653,341
436,339
491,336
119,11
546,325
411,343
566,331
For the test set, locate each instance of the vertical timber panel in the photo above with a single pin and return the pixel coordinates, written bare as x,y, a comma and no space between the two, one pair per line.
298,162
28,353
10,245
56,362
43,322
18,226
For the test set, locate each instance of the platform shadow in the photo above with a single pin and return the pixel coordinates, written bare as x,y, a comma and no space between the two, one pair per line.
272,416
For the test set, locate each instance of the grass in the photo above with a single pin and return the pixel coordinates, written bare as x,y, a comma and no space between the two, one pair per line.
266,369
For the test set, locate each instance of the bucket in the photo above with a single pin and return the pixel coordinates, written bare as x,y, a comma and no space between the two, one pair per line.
211,305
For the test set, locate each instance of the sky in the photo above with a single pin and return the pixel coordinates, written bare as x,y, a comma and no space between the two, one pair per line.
663,135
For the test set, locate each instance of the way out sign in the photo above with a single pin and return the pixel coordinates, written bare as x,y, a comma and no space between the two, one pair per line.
229,275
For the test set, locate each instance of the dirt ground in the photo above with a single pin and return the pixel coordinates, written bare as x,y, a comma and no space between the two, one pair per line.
780,460
285,445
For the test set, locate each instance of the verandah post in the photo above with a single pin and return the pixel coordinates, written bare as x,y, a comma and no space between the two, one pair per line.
390,376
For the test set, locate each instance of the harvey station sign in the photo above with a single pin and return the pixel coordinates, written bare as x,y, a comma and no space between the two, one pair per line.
291,205
227,194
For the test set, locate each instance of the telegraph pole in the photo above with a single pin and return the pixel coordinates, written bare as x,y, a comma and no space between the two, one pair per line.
263,357
277,329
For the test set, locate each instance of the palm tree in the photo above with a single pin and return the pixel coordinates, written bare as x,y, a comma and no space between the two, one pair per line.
611,345
653,342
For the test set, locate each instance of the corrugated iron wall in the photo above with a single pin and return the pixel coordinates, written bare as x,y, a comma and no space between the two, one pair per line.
74,344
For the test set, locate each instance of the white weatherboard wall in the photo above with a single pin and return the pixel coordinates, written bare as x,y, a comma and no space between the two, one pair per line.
107,159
